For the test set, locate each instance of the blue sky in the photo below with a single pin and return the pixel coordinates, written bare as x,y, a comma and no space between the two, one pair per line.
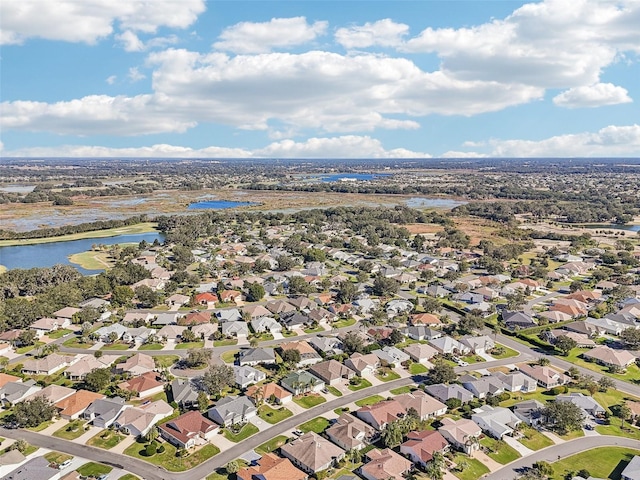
309,79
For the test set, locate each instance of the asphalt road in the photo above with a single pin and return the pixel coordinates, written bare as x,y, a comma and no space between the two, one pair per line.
556,452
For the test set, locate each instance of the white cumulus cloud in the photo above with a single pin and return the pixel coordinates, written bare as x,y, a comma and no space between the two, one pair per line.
596,95
87,21
252,37
384,33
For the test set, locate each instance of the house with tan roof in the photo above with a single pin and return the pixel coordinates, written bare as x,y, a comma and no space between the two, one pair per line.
6,378
269,392
546,377
272,467
351,433
382,413
425,319
74,405
462,434
256,311
385,465
143,385
44,326
66,312
137,421
419,352
280,306
171,333
177,299
609,357
312,453
188,430
137,364
308,355
48,365
86,364
425,405
363,364
420,446
53,393
195,318
331,371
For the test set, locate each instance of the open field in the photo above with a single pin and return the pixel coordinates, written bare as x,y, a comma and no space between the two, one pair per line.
92,260
600,462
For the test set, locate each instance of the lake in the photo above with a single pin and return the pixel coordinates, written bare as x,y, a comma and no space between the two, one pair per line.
217,205
49,254
614,226
351,177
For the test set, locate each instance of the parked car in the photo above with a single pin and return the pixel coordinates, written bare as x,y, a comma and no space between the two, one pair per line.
64,464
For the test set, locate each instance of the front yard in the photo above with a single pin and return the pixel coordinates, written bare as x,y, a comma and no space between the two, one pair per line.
358,384
499,450
93,469
372,400
71,431
273,416
386,375
189,345
309,400
472,468
417,369
168,458
606,462
272,445
317,425
245,432
534,440
106,439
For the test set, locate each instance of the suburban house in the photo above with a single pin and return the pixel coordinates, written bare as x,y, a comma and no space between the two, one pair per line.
363,364
177,300
272,467
6,378
529,411
496,421
171,333
302,382
53,393
232,410
445,392
609,357
449,345
312,453
204,330
420,446
48,365
228,315
143,385
66,313
245,375
425,319
479,345
44,326
137,364
517,320
385,464
256,356
546,377
382,413
632,470
419,352
234,329
420,332
516,382
266,324
425,405
269,392
71,407
308,355
188,430
14,392
36,468
110,333
586,403
462,434
483,386
195,318
391,355
331,372
184,393
138,421
350,433
104,411
207,299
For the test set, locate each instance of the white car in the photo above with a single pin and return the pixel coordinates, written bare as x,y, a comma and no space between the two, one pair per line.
462,363
64,464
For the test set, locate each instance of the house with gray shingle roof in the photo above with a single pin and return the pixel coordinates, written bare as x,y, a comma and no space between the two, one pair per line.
255,356
232,410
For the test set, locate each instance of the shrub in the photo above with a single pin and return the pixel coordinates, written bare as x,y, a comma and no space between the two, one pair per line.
560,389
160,449
504,396
150,450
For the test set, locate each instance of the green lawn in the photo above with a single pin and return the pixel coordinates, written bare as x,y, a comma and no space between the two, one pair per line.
129,476
42,426
165,361
273,416
57,457
168,458
248,430
535,440
27,349
417,369
314,330
364,383
224,343
188,345
93,469
317,425
387,375
74,342
309,400
341,410
499,450
71,431
229,356
632,374
572,435
473,468
334,391
106,439
151,346
271,445
58,333
401,390
615,428
116,346
370,400
344,323
605,462
508,352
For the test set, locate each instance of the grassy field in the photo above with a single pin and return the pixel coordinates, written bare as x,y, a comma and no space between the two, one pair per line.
317,425
93,469
334,391
229,356
309,400
151,346
401,390
344,323
417,369
106,439
223,343
42,426
92,260
616,428
189,345
273,416
534,440
364,383
112,232
606,462
115,346
508,353
165,361
246,431
499,450
74,342
387,375
373,399
473,468
57,457
71,431
271,445
58,333
168,458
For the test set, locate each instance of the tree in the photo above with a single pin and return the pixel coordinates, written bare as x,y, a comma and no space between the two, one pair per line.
384,287
97,379
470,323
26,338
563,416
121,296
391,435
453,403
188,336
347,292
395,336
623,413
232,467
574,373
543,361
255,292
352,343
291,357
152,434
298,285
20,445
431,304
543,469
285,262
631,337
605,383
253,343
441,373
147,297
197,358
565,344
217,378
31,413
203,401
